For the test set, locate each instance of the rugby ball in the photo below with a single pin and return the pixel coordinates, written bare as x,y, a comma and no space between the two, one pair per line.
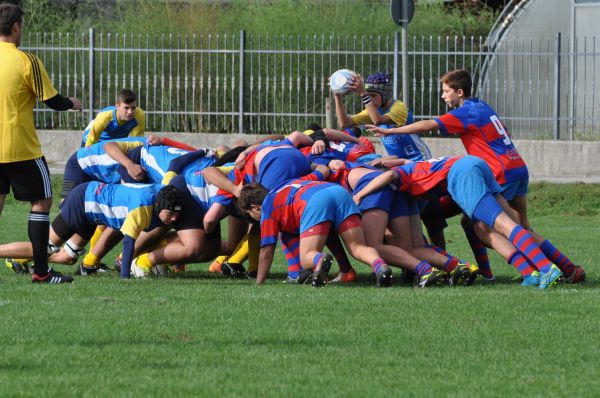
339,82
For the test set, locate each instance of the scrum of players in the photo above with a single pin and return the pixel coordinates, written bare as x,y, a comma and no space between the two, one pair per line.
324,193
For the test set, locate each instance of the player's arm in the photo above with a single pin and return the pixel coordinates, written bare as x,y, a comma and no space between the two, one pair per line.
320,173
40,84
117,151
240,161
136,221
213,216
272,137
375,185
214,176
340,112
265,259
100,123
336,135
154,139
422,126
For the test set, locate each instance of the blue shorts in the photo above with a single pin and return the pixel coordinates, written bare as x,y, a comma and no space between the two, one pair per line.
72,210
469,179
73,175
402,205
333,204
515,189
381,199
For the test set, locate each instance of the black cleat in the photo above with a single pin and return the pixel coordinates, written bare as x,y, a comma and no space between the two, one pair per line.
384,276
52,277
233,270
84,270
318,276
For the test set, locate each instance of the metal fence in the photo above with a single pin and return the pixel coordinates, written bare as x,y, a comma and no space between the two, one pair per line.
258,84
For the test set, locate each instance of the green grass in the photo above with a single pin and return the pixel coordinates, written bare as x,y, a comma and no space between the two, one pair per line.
200,335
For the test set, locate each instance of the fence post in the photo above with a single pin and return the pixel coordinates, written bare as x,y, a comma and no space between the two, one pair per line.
396,66
557,88
405,97
329,113
91,72
241,85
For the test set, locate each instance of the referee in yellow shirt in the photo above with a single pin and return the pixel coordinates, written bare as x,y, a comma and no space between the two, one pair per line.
22,164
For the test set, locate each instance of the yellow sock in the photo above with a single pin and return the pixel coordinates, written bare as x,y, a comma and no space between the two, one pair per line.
221,259
240,254
96,236
90,260
22,260
253,249
143,261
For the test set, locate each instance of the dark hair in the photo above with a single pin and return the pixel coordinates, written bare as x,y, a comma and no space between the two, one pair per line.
459,79
252,194
313,127
126,96
9,14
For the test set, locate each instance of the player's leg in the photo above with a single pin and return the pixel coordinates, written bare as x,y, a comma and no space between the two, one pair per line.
92,262
312,242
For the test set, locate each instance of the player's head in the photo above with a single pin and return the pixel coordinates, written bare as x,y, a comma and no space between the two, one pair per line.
168,204
456,87
379,83
126,105
251,198
11,21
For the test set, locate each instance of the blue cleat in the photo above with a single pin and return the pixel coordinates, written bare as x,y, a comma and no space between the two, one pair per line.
550,278
532,280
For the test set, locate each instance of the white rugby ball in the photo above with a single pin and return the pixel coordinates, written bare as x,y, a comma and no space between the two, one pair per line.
339,82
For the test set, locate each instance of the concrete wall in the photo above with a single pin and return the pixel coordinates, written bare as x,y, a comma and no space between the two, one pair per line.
552,161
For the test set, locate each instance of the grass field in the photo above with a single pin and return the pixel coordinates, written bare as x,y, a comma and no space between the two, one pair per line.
201,335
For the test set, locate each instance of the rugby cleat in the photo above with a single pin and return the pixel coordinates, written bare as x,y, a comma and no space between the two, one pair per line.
20,267
345,277
407,277
532,280
463,274
137,271
85,270
52,278
177,268
215,268
577,276
320,273
233,270
384,276
430,278
301,279
160,270
550,278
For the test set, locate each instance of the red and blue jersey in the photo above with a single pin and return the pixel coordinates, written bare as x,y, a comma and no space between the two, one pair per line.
485,136
282,208
419,178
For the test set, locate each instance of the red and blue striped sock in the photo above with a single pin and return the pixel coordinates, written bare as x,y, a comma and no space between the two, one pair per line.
377,264
557,257
520,262
480,253
291,250
450,264
524,242
423,268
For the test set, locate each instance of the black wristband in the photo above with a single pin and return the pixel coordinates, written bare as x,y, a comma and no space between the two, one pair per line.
366,99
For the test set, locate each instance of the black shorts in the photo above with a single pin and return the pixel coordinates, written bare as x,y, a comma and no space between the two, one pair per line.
29,179
192,215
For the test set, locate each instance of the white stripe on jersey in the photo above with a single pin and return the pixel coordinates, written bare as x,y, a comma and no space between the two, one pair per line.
117,212
96,160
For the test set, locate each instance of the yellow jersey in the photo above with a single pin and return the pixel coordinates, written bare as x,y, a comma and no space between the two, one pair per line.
398,112
23,80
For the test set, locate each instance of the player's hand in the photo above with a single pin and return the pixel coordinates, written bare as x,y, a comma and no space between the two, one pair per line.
357,199
356,85
323,170
318,147
76,104
136,172
376,162
377,131
154,139
238,189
